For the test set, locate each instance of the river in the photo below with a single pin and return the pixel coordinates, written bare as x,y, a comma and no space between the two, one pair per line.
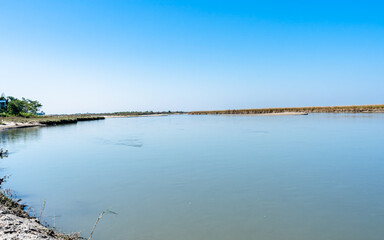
205,177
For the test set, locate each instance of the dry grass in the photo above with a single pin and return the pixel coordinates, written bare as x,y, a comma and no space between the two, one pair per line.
333,109
55,120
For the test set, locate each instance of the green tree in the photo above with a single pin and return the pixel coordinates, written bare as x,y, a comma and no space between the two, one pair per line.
16,107
21,107
32,106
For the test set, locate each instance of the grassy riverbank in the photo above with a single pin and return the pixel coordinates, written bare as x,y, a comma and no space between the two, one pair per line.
332,109
56,120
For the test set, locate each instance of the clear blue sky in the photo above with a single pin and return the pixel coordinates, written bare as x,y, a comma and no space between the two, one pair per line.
104,56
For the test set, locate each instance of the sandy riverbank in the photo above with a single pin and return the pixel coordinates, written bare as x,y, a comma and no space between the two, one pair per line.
20,122
11,125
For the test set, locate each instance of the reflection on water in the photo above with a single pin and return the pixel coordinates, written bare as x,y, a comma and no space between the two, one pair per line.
207,177
22,134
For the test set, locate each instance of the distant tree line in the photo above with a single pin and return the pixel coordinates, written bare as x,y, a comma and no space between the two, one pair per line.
19,107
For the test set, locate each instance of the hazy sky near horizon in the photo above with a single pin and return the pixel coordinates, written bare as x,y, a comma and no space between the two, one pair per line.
106,56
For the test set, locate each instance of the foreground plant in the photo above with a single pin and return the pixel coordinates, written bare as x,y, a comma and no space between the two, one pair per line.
98,219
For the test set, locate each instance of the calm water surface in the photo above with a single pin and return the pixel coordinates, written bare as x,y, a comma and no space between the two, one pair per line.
319,176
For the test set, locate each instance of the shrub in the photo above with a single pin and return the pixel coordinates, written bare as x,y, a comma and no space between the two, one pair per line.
27,115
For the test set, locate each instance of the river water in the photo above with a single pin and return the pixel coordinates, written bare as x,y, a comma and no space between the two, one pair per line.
185,177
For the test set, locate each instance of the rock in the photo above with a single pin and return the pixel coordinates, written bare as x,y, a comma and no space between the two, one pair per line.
13,227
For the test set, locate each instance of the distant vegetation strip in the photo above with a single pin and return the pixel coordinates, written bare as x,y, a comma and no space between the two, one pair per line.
332,109
137,113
